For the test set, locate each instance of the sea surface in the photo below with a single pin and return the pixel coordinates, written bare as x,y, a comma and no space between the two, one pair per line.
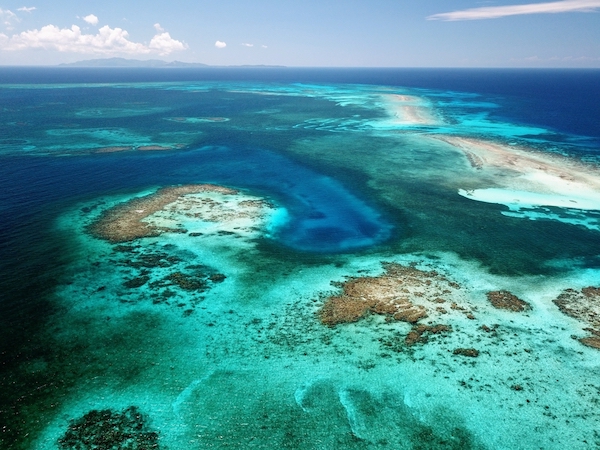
208,332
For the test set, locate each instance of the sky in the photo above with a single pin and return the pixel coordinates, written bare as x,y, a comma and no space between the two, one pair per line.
309,33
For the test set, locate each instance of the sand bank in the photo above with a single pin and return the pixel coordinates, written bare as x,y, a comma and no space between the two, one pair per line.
142,148
197,119
147,148
526,178
113,149
408,110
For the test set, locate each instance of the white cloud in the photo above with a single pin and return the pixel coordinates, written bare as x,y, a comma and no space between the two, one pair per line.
108,41
7,17
220,44
263,46
164,44
494,12
91,19
158,28
247,45
27,9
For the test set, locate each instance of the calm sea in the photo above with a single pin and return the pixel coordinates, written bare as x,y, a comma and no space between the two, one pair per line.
35,189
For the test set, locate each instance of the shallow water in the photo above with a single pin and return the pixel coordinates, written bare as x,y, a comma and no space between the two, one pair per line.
211,328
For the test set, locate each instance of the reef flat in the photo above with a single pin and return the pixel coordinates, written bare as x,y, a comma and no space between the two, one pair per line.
318,265
131,220
395,294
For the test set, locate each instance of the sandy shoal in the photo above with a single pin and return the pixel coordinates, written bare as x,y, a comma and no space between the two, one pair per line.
555,180
408,110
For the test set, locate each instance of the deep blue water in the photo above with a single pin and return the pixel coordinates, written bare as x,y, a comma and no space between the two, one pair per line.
324,216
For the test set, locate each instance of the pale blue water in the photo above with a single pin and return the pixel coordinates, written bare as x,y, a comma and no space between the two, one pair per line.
245,362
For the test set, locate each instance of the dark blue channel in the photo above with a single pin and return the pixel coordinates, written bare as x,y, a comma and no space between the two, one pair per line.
323,215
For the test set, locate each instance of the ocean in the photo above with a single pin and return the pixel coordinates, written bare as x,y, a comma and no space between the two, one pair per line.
299,258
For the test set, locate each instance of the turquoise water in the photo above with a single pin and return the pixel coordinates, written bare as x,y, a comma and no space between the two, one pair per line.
208,334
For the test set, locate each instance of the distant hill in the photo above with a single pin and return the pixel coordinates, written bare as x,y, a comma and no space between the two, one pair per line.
155,63
122,62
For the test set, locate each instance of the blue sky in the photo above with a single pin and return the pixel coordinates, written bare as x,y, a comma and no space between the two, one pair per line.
352,33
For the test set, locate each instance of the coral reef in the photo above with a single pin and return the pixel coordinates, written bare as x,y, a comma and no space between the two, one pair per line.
398,293
583,305
124,222
419,333
110,430
151,273
508,301
470,352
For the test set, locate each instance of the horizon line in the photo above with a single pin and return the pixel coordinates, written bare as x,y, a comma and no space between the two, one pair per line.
275,66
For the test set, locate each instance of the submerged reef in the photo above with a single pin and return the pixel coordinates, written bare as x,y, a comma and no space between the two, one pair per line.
402,293
583,305
142,148
507,300
388,294
470,352
168,270
165,278
110,430
419,333
125,222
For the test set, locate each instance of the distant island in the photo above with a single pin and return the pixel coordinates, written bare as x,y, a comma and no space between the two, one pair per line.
154,63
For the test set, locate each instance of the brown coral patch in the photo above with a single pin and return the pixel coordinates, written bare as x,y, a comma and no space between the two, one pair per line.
470,352
506,300
591,341
342,310
584,306
380,295
396,294
419,333
124,222
591,292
